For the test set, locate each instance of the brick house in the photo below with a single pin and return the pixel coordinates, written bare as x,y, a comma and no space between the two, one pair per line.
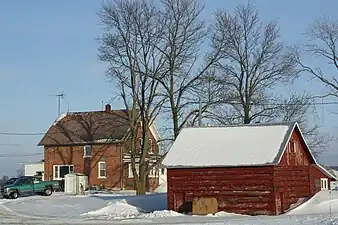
95,143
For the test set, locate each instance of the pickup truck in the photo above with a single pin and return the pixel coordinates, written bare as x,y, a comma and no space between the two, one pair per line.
28,185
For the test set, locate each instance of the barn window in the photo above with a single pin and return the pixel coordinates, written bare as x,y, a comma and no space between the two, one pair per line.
292,146
324,184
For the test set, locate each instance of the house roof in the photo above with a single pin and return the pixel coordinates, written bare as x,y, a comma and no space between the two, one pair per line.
237,145
87,127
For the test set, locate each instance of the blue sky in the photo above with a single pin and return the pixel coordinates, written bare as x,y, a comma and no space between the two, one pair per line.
49,46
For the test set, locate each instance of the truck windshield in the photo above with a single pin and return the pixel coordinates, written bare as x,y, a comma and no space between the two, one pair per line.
11,181
19,181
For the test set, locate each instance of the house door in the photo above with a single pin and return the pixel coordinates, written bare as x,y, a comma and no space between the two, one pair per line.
324,184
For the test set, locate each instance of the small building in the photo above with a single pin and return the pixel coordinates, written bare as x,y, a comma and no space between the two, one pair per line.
35,169
258,169
97,144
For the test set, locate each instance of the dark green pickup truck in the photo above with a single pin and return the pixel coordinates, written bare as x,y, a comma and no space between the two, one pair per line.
29,186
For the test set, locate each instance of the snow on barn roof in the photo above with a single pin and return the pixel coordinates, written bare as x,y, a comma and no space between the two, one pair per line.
240,145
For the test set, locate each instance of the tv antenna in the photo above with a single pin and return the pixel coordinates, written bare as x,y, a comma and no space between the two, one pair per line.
59,97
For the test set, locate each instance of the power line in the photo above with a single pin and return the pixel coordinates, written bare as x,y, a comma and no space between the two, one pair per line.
10,144
19,155
257,104
21,134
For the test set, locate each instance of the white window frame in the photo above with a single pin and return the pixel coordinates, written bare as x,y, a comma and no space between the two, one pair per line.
150,146
85,151
99,169
57,168
153,172
292,142
324,184
130,172
141,143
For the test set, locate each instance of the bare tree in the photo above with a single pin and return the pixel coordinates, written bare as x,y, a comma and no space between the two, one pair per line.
254,61
324,38
20,172
130,44
184,35
298,108
99,129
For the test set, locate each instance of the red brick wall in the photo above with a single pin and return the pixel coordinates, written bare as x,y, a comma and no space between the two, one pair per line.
73,155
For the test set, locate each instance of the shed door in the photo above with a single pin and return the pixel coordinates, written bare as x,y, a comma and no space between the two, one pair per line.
324,183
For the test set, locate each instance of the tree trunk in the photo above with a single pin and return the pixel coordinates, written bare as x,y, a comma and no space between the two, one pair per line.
246,119
141,186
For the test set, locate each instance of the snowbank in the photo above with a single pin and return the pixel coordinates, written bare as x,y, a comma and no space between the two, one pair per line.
322,203
116,210
153,205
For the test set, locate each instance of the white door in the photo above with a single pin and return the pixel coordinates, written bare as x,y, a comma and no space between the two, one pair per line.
324,183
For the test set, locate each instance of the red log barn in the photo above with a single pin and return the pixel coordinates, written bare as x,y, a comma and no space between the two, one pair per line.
257,169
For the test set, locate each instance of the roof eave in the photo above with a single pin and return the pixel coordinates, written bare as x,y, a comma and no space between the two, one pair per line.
85,143
216,166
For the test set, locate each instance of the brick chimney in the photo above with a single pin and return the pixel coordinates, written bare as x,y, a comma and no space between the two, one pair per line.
108,108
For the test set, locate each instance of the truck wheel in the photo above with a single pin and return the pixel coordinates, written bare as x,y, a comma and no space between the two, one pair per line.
14,195
48,191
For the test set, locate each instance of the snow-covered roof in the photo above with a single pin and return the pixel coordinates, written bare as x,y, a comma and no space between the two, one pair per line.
241,145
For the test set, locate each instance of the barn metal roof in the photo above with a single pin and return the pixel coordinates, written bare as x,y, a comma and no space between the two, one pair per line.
235,145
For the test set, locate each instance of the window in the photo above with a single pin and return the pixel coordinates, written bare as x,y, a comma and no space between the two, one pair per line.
28,181
131,170
153,172
162,171
102,170
292,147
150,146
61,170
324,184
87,151
141,143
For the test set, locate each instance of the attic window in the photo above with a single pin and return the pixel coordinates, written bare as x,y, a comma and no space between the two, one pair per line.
292,147
87,151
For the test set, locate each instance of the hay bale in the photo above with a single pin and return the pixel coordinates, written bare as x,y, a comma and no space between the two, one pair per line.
204,206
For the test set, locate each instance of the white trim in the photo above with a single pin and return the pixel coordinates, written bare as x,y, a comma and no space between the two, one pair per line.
153,173
130,170
308,149
324,184
154,132
58,171
87,148
99,169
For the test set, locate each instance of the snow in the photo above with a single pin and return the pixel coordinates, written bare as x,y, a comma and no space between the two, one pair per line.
115,210
214,146
124,208
322,202
62,115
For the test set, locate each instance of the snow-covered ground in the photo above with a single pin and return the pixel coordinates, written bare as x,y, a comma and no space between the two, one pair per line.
125,208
